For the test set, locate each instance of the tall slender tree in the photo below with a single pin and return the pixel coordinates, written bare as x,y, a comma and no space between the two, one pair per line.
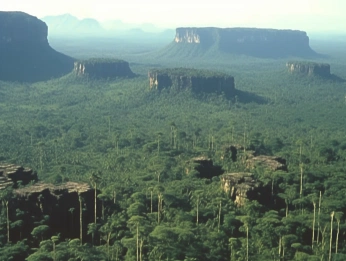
95,179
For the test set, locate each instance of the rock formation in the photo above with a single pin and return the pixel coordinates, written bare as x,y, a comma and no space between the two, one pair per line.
272,163
25,52
11,174
58,202
195,80
309,68
203,168
248,41
240,186
39,200
236,152
103,68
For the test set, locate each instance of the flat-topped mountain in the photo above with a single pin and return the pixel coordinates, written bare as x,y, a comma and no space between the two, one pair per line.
100,68
256,42
25,54
193,79
309,68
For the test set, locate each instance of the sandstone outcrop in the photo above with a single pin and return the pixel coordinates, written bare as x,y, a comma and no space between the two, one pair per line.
203,167
251,160
248,41
309,68
39,200
272,163
11,174
103,68
193,79
240,186
58,202
25,52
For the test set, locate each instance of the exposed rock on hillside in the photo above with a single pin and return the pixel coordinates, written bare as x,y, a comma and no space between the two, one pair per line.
248,41
196,80
103,68
204,167
59,202
251,160
54,190
273,163
241,186
309,68
11,174
25,53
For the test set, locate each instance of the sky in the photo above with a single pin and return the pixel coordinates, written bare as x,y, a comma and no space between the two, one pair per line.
308,15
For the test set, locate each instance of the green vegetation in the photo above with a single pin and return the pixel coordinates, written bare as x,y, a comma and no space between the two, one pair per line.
136,146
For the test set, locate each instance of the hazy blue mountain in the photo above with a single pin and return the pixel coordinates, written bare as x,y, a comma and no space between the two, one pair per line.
70,25
67,24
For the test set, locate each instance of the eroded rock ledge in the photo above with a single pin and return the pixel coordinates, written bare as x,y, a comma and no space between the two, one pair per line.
309,68
193,79
100,68
11,174
57,204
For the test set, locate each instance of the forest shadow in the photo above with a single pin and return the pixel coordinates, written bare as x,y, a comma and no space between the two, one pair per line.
336,78
248,97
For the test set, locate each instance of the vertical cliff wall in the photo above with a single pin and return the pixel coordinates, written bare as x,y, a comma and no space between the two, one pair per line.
195,80
25,54
308,68
248,41
103,68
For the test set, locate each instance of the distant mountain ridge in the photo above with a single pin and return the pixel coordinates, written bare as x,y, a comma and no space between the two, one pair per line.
67,24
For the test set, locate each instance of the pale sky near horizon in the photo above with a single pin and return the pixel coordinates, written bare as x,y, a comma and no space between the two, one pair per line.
309,15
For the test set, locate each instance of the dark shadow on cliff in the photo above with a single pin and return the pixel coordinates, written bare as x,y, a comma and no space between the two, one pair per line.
336,78
25,54
33,64
247,97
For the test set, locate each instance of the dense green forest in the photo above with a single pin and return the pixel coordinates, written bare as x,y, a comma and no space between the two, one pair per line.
135,146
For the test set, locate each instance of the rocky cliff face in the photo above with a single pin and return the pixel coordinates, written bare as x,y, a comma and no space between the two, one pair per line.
54,205
195,80
11,174
309,68
103,68
203,168
241,186
58,202
25,53
248,41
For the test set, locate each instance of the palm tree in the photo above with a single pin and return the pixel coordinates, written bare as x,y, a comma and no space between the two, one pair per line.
54,239
94,179
338,216
331,235
80,218
159,135
6,195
